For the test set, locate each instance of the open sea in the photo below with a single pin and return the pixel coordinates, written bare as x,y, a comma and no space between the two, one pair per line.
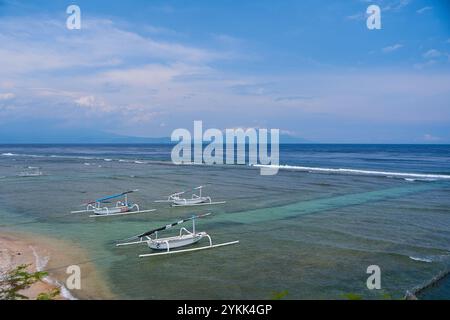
309,232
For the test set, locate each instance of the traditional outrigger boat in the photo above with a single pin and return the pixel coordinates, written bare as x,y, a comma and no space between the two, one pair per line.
177,200
122,207
31,172
166,245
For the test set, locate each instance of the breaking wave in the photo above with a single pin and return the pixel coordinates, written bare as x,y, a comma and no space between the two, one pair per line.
54,156
41,263
421,259
405,175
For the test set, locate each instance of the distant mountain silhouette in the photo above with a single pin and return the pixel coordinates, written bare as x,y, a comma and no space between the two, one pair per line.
51,135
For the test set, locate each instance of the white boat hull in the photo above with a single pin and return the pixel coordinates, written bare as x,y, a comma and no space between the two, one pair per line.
190,202
115,210
175,242
24,174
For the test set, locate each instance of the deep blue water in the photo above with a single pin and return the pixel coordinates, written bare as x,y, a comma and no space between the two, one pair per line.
397,158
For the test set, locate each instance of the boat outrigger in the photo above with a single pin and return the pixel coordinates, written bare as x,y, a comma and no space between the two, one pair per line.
177,200
122,207
166,245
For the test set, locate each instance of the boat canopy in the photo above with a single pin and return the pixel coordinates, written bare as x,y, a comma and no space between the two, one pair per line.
149,233
114,196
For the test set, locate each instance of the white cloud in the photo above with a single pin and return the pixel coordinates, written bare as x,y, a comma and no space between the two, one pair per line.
357,16
7,96
92,102
101,69
289,132
392,48
227,39
38,44
433,57
424,65
293,98
151,75
161,31
430,138
396,5
424,9
431,54
134,83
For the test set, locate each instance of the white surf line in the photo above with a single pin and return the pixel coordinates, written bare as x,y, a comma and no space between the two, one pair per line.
420,259
92,158
41,263
357,172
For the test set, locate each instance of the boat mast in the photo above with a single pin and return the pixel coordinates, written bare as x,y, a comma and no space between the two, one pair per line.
148,233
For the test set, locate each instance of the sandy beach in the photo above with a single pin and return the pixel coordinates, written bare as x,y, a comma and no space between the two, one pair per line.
44,254
15,252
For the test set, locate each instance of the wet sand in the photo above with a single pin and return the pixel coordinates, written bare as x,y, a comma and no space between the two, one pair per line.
52,256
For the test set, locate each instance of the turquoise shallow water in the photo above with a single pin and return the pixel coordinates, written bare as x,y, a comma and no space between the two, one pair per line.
310,234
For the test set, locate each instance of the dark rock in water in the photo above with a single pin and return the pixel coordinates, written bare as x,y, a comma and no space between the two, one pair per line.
433,282
410,296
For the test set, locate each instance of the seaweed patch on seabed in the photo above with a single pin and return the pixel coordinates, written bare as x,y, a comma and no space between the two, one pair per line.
415,293
319,205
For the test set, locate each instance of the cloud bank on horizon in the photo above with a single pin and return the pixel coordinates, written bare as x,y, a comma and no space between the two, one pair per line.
143,69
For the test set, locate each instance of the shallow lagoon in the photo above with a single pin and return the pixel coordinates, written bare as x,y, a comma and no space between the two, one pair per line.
310,234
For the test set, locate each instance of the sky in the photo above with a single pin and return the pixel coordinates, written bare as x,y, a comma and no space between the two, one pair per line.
144,68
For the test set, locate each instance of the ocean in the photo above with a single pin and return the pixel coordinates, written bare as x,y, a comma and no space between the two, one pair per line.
309,232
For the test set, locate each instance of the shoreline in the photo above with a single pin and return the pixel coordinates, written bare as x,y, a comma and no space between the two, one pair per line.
43,253
15,252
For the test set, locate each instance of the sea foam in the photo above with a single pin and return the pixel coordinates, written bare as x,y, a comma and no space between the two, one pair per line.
41,263
421,259
408,175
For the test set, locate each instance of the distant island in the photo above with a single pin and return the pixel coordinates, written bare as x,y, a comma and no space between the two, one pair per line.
79,136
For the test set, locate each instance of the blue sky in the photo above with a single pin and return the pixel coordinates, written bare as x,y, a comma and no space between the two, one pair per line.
310,68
